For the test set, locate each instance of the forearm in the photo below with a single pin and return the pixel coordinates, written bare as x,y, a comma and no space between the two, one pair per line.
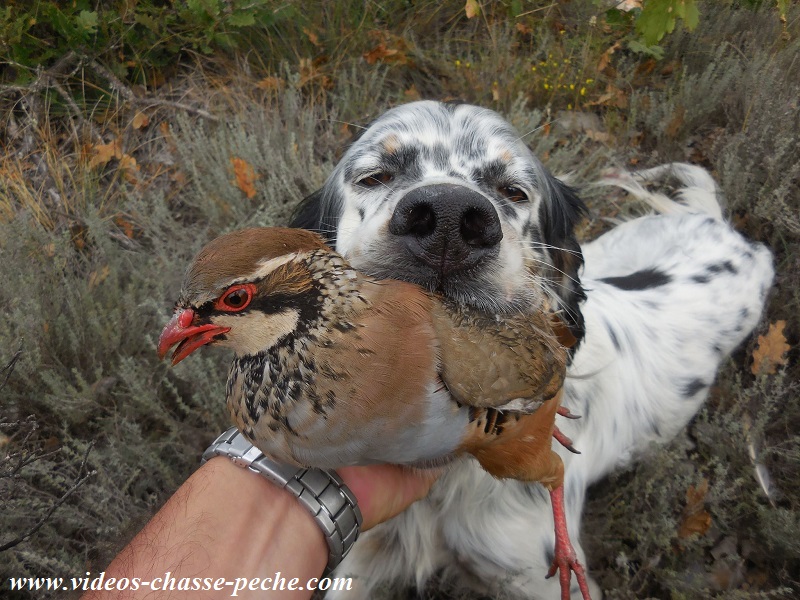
223,523
227,523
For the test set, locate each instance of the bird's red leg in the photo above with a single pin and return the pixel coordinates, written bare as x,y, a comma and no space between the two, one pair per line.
565,559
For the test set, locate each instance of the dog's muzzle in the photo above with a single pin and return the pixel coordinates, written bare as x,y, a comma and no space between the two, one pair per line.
449,227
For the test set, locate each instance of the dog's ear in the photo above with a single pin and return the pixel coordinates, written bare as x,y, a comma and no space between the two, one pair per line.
560,213
315,213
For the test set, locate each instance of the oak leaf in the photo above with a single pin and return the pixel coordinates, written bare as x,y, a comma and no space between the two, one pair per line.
245,176
383,53
140,120
102,153
605,58
696,520
771,350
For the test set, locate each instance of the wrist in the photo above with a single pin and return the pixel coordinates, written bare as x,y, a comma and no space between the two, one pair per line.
320,492
263,525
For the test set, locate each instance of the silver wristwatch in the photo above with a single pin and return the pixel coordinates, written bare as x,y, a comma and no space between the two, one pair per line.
322,492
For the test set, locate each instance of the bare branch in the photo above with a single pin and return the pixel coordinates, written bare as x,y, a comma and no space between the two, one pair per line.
83,475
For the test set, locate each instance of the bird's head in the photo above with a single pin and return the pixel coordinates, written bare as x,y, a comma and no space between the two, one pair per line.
246,290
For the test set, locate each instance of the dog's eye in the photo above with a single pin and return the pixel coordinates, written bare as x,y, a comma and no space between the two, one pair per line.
376,179
513,193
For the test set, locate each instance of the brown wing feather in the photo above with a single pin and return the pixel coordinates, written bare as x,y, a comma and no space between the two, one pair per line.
393,350
512,362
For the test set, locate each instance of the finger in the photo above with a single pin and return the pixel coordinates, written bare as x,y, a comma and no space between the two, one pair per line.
384,491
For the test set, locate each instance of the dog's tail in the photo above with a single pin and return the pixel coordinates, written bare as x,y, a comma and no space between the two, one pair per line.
698,193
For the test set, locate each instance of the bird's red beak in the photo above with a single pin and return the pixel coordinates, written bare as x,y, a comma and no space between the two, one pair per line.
189,337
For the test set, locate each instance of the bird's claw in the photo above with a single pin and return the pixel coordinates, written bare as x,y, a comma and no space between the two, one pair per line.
564,412
564,440
565,561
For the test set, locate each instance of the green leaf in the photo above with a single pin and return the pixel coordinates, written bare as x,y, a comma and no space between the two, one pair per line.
241,19
147,21
199,8
87,22
658,17
692,16
638,47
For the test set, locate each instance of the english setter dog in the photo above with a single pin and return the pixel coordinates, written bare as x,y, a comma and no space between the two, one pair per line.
448,197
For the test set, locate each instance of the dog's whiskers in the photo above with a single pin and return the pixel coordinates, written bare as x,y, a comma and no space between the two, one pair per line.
534,245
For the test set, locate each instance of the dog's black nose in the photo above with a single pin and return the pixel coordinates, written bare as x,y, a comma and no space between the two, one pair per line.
449,227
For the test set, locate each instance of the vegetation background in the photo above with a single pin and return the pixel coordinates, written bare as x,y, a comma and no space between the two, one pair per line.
135,131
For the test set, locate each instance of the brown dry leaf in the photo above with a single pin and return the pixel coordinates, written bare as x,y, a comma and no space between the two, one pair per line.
605,58
98,277
383,53
165,130
379,52
495,92
524,28
126,226
270,84
696,520
472,8
102,153
310,72
412,93
613,97
245,176
771,350
130,168
312,37
4,439
627,5
140,120
179,177
676,122
643,71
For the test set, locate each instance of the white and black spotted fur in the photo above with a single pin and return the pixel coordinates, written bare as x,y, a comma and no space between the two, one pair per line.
662,300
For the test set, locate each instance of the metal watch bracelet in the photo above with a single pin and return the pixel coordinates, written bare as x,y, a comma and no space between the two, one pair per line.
322,492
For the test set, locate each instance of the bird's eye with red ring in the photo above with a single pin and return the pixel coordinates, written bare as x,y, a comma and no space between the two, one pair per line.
236,298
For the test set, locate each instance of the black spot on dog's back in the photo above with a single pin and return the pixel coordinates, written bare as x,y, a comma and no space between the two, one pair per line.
640,280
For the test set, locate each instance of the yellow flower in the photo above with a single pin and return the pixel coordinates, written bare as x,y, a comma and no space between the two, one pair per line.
590,81
569,106
533,68
468,65
546,86
458,63
583,91
572,86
